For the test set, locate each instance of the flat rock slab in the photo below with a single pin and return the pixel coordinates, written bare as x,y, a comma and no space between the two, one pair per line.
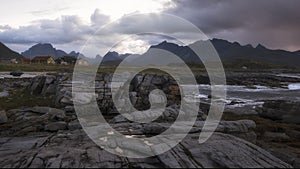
75,149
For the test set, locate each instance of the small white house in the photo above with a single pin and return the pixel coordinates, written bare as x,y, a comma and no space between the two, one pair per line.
14,61
82,62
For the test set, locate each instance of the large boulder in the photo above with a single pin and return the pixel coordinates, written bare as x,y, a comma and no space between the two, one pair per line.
281,110
37,84
45,85
74,125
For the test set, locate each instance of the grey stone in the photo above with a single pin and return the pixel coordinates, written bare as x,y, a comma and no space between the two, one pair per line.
37,84
3,117
69,109
55,126
40,110
158,80
50,79
51,89
51,113
74,125
157,97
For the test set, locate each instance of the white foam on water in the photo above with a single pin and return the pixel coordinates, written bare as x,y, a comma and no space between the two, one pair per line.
239,102
294,86
25,75
238,88
201,96
253,104
289,75
244,102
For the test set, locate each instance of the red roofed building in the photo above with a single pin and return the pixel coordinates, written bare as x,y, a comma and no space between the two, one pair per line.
25,60
43,60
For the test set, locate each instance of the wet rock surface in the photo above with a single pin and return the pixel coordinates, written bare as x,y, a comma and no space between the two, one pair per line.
75,149
24,121
46,137
52,137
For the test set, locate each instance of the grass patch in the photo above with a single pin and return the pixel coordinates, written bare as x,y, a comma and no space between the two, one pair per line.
196,69
22,98
35,67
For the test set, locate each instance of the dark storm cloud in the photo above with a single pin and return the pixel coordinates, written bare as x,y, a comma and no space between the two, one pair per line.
66,29
137,22
275,23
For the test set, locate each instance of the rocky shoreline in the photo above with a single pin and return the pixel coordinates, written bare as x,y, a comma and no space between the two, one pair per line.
52,136
47,137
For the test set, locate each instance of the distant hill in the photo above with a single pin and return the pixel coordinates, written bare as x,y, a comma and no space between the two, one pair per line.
112,58
7,54
47,49
231,52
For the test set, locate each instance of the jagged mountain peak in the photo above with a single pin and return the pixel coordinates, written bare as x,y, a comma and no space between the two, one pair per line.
165,45
6,53
260,46
47,49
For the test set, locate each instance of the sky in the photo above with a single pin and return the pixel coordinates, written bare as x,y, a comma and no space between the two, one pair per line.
69,24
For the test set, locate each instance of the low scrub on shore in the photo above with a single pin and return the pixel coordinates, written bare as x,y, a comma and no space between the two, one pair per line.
22,98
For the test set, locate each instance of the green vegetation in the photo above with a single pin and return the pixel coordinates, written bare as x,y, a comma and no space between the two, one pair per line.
7,67
241,66
22,98
1,89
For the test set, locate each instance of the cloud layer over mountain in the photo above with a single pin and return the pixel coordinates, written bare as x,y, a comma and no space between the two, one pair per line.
272,23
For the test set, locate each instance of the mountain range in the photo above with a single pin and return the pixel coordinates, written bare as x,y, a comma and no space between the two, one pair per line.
8,54
229,52
47,49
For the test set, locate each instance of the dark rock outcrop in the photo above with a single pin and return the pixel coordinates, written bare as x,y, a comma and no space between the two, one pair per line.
74,149
35,119
52,137
281,110
46,142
